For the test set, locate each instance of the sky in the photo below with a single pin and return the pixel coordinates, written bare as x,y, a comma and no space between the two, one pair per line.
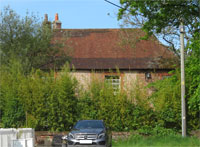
74,14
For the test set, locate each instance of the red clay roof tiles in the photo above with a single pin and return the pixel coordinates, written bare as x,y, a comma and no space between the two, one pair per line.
111,48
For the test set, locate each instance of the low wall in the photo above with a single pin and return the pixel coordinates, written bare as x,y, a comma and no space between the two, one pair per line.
23,137
45,138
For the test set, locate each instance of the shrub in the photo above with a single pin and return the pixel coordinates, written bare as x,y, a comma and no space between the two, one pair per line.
166,101
37,100
12,111
63,102
118,111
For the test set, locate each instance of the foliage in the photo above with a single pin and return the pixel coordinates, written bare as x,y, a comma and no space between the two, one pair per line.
63,102
158,12
156,131
166,101
166,98
163,17
167,140
11,110
192,69
35,90
37,100
27,40
118,111
46,101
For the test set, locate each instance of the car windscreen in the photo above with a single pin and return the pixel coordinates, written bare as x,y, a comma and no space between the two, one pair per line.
89,125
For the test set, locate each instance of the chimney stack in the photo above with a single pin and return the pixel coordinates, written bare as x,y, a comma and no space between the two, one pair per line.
46,22
45,17
57,23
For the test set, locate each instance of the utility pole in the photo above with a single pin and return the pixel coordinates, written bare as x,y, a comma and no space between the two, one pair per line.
183,110
183,107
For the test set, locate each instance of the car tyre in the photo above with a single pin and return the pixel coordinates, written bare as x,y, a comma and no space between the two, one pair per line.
64,145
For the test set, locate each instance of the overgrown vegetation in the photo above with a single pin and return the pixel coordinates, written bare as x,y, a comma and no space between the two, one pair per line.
30,97
168,140
47,102
193,82
118,111
28,40
163,18
166,98
41,101
166,101
37,100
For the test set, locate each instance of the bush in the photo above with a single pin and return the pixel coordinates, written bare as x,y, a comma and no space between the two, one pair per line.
63,102
192,69
11,108
37,100
45,102
156,131
167,101
118,111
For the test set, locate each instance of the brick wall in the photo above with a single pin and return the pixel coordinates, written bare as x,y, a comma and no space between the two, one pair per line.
45,138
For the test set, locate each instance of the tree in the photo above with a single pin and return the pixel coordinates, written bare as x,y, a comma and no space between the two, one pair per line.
12,113
193,82
162,17
27,40
37,100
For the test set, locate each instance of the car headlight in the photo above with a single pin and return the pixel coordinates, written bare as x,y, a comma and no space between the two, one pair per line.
101,135
64,137
70,135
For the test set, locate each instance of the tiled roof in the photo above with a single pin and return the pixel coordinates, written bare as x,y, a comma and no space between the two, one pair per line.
111,48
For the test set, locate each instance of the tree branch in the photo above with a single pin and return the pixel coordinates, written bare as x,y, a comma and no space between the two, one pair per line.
172,45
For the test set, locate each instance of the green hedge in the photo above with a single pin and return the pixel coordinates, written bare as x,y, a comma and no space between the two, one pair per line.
116,109
45,102
41,101
37,100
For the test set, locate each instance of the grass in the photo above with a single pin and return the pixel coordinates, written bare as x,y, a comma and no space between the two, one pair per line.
157,141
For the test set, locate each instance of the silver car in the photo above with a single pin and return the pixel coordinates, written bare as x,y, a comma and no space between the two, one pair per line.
89,133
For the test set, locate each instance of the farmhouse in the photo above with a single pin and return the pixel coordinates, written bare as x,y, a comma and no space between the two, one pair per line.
118,55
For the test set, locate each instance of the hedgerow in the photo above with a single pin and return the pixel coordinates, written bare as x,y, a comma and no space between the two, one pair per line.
47,102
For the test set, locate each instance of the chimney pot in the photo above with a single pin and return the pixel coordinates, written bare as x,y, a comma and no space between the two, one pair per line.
56,17
57,23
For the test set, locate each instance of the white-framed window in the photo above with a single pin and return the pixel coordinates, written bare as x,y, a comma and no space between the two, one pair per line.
166,76
114,80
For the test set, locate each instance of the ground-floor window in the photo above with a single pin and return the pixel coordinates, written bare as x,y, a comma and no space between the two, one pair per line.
114,80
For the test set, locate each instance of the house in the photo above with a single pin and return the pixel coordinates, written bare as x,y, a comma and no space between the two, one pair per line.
101,52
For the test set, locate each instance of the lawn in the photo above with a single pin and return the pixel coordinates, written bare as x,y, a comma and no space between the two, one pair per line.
165,141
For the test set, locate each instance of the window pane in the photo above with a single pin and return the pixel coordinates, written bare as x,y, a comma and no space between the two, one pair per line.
114,81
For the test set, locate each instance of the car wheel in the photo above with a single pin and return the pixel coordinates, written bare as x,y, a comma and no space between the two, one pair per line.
64,145
110,145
